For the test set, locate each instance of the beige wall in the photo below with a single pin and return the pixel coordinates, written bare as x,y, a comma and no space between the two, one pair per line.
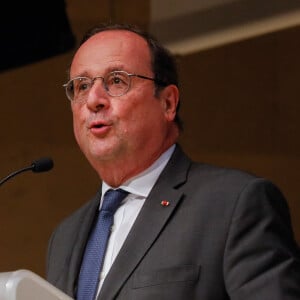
240,106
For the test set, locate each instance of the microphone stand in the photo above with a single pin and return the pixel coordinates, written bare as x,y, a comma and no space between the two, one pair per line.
15,173
37,166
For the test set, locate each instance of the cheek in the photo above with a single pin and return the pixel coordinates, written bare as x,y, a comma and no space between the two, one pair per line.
79,112
143,120
78,122
134,116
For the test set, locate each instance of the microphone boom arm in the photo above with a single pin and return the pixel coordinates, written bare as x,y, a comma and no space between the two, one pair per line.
37,166
14,174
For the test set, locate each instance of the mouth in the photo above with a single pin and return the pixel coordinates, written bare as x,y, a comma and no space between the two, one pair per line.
99,127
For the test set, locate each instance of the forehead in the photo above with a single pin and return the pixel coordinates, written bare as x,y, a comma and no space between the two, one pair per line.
112,49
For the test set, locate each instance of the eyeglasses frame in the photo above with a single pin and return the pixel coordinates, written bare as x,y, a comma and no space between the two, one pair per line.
159,82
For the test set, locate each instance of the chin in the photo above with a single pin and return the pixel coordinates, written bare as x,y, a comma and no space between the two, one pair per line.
103,154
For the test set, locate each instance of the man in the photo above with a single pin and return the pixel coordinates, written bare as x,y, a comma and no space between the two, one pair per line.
184,230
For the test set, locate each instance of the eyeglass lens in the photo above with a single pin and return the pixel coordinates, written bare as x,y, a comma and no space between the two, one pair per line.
115,83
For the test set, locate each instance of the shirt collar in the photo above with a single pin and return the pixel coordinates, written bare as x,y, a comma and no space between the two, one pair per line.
142,183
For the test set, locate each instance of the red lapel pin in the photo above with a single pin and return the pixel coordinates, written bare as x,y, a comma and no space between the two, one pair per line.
165,203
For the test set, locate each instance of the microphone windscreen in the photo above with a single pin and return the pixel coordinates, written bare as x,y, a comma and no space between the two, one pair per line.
42,165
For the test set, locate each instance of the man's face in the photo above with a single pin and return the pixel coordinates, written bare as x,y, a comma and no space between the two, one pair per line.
118,128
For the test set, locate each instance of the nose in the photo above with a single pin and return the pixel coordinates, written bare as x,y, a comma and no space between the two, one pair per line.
97,98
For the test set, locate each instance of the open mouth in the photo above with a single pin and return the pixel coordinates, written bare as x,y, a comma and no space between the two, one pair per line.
98,126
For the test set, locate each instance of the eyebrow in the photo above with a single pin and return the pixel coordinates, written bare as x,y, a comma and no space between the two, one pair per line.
117,67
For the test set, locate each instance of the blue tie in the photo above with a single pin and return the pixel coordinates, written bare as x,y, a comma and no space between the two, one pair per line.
96,245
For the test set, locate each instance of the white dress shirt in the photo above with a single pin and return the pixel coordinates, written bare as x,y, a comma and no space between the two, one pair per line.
139,188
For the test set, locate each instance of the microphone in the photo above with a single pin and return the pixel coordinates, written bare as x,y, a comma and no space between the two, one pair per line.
41,165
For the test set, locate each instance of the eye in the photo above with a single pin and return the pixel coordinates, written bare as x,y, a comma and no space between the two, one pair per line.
117,79
81,85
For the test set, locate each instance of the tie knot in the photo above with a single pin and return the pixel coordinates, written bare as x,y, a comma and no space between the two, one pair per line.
112,199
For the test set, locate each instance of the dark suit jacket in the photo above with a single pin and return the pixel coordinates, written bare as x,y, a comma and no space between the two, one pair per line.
225,235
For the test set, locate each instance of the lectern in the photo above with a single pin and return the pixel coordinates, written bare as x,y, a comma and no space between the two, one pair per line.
26,285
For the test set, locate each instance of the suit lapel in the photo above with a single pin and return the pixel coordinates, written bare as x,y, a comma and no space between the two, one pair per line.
84,225
148,225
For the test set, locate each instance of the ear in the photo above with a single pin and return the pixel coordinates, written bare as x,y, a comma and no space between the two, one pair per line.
169,98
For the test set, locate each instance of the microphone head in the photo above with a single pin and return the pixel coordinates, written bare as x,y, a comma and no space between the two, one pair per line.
42,165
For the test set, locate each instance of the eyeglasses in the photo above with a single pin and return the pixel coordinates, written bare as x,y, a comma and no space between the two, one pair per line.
116,84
